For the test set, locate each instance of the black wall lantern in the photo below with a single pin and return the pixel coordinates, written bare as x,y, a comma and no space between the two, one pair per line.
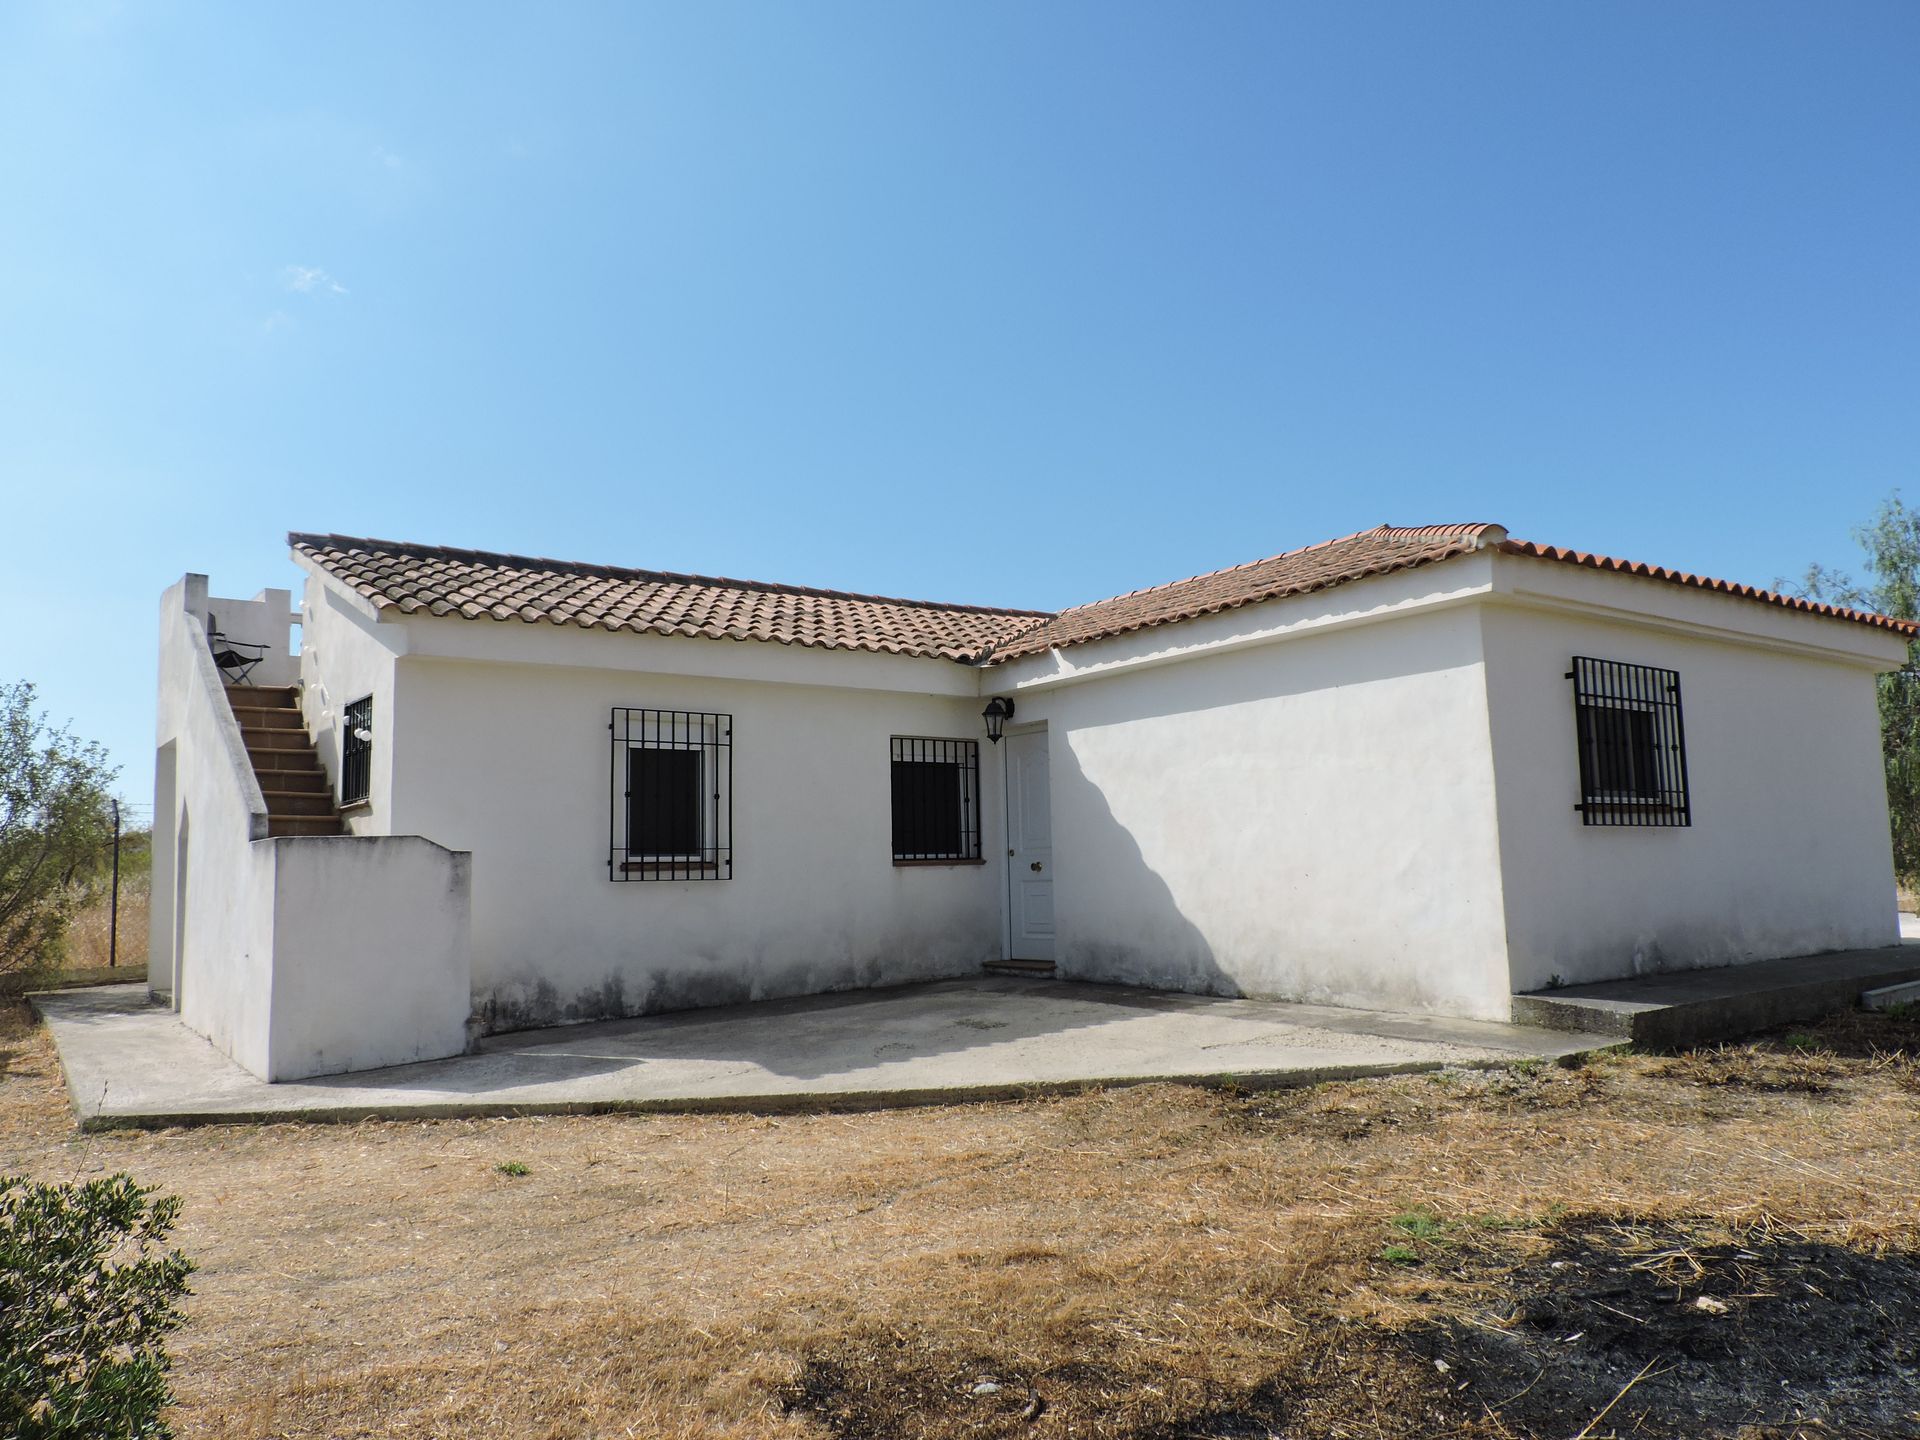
996,713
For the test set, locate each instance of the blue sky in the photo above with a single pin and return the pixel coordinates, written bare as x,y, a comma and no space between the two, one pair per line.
1011,303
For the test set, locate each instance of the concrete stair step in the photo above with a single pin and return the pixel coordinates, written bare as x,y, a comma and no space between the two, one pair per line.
304,825
268,717
277,697
299,802
298,793
311,780
258,738
1886,997
285,758
1699,1007
1019,967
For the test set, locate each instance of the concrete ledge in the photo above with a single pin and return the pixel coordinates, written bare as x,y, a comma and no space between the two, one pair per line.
1700,1007
76,979
1889,996
845,1102
132,1064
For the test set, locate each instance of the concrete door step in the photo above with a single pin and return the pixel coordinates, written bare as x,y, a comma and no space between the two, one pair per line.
1888,996
1696,1007
1019,967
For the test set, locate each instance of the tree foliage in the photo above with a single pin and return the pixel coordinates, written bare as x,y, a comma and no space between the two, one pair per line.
1891,541
55,824
89,1292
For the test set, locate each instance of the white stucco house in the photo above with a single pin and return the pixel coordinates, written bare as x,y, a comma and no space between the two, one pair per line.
1420,769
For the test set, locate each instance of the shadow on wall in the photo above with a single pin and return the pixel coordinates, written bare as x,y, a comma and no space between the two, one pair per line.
1162,949
1270,823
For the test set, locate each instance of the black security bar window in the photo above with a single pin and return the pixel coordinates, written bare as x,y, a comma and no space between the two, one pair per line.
936,800
1633,746
356,752
670,804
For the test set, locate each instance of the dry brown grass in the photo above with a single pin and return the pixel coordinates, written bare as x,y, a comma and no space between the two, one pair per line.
1159,1261
87,941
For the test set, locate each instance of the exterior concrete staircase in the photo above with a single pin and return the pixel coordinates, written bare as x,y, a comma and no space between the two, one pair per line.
299,796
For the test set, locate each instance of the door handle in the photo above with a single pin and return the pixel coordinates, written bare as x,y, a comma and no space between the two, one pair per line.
1034,866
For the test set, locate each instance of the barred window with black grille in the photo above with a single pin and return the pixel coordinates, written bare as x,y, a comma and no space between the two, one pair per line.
936,800
1632,745
670,811
356,752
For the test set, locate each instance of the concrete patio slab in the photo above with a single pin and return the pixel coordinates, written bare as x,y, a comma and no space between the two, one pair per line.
131,1063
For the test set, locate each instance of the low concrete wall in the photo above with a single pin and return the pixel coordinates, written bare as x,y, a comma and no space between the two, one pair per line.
371,943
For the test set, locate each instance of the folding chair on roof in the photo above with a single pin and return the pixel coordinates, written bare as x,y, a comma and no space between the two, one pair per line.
235,658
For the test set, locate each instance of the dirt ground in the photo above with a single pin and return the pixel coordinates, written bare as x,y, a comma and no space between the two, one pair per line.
1725,1243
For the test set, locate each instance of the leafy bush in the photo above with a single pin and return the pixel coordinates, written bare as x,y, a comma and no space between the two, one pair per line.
89,1292
1891,541
55,826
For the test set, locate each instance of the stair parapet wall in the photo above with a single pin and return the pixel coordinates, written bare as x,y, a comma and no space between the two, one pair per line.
295,955
207,916
193,706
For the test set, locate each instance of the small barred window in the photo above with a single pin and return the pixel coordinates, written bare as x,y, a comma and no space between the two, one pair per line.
1632,744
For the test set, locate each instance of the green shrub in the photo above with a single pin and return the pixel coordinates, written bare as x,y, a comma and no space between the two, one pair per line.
55,827
89,1292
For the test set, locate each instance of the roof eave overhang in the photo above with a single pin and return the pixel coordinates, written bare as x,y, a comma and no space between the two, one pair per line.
1485,576
1651,602
519,642
1375,599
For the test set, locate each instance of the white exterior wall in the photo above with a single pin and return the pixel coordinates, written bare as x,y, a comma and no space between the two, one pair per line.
1788,852
346,655
1309,816
370,953
511,762
1362,796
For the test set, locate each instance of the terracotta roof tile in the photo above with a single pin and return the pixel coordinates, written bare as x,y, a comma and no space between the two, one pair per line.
1318,567
480,584
1908,628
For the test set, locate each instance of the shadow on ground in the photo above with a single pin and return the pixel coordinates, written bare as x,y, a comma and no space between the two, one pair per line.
1666,1331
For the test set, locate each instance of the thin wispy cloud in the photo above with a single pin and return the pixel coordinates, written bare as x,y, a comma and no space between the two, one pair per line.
386,157
311,280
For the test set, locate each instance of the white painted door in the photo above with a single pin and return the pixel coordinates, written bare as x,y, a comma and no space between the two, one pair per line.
1029,847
